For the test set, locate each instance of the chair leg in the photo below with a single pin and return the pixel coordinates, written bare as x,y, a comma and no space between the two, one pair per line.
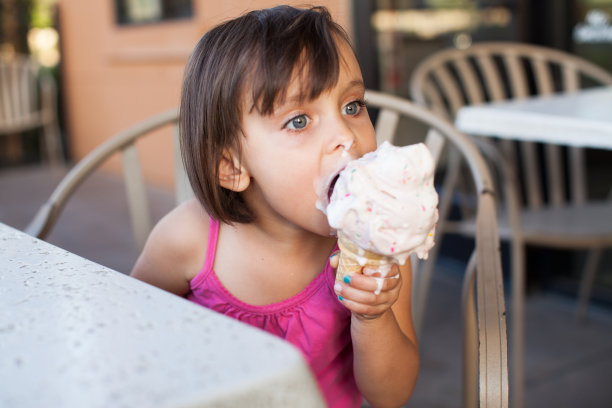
422,277
517,396
12,148
586,282
420,293
53,144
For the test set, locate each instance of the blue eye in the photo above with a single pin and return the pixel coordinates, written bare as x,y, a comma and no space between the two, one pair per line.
354,108
298,123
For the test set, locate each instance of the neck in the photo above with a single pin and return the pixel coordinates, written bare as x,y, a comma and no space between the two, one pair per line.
287,239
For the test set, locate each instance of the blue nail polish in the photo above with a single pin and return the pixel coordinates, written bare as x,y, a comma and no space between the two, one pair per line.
347,279
340,298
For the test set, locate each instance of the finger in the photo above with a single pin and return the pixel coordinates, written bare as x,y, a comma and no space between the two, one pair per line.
366,298
371,284
381,270
362,310
352,295
333,259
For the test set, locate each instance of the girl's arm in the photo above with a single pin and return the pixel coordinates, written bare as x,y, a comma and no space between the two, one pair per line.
386,360
173,253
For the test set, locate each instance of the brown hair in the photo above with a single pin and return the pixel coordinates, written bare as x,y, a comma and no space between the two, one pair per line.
265,47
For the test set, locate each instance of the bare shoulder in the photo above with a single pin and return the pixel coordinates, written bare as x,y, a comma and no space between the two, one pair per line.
184,228
175,249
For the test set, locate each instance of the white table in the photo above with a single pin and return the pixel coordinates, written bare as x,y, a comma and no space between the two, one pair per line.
76,334
583,119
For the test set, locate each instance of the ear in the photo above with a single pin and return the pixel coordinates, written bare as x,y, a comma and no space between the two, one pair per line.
232,174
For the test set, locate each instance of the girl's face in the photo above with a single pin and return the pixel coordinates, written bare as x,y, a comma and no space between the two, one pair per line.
293,155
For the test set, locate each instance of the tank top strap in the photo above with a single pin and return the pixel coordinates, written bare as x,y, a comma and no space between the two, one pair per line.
211,249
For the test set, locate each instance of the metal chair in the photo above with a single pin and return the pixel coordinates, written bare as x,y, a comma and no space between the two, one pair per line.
485,346
28,101
124,143
452,78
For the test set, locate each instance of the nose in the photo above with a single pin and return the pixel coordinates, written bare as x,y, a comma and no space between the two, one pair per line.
347,145
342,137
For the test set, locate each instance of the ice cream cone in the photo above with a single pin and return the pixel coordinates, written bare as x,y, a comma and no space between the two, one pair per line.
353,258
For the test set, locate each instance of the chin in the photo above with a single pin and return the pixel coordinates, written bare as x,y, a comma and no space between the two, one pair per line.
328,231
322,228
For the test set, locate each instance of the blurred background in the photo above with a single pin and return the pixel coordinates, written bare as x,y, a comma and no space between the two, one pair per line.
117,62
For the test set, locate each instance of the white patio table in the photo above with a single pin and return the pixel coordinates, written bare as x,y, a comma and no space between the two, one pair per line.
77,334
581,119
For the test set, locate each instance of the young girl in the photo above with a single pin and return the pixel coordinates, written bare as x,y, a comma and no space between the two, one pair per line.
272,109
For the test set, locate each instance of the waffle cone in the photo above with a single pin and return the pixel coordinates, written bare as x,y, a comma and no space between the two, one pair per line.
353,258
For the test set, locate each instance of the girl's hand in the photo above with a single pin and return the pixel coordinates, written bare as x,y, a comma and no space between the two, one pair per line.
360,292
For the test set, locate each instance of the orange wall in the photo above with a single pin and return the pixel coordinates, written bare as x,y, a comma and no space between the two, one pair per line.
115,76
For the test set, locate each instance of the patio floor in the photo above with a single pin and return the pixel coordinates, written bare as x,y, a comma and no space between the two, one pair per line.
568,363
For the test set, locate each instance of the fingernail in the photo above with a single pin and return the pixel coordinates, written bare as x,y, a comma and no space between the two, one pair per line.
340,298
332,255
369,271
347,279
338,287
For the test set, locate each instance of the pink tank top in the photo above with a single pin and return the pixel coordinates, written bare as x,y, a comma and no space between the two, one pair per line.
313,321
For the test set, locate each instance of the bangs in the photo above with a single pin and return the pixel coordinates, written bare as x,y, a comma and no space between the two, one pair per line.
306,49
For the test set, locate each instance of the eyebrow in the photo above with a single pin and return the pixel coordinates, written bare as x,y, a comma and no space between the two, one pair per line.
355,83
297,97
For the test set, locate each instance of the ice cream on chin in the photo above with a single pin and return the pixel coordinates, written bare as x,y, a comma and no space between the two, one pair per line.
384,208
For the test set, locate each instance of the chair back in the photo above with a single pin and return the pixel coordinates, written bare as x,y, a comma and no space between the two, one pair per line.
28,101
496,71
485,344
123,143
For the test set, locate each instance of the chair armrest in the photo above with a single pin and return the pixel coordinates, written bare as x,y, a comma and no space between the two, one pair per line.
493,348
47,215
39,226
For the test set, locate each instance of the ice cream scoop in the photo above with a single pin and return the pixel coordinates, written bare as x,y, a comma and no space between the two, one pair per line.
384,206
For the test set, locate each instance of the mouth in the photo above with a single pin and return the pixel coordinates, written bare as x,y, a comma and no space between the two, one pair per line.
332,184
325,187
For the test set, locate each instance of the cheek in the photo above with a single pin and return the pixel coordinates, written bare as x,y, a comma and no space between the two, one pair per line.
300,181
299,189
370,144
290,179
367,136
